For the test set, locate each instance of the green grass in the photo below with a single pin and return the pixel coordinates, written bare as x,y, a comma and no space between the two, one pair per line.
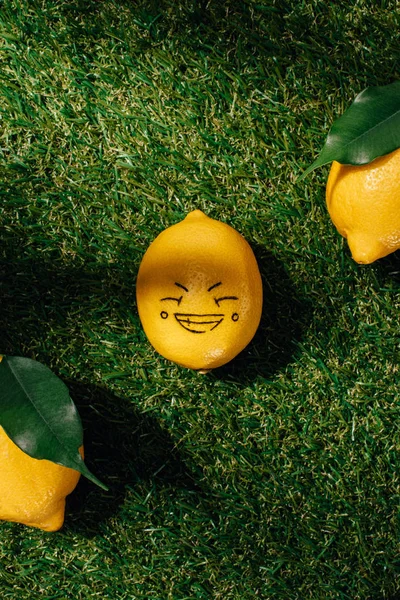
276,476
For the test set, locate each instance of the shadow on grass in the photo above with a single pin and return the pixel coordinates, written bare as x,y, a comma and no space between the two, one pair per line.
241,29
123,448
199,23
39,298
388,269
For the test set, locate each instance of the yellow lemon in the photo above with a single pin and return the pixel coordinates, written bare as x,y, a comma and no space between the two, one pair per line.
32,492
364,204
199,292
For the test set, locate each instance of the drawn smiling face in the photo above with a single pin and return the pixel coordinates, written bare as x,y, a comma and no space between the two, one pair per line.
199,322
199,293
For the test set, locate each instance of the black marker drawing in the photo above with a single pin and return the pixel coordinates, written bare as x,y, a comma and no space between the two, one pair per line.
218,300
199,323
214,286
178,300
193,323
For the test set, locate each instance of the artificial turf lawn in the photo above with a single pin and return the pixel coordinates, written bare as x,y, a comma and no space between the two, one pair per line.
276,476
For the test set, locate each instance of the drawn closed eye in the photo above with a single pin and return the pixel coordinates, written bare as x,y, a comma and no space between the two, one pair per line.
178,300
218,300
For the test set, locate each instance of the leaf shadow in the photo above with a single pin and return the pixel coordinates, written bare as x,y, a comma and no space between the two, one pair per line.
124,448
285,317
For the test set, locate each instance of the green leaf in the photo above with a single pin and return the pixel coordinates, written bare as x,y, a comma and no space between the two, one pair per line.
37,413
369,128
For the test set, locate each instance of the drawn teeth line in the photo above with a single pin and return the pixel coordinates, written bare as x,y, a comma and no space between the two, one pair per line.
182,316
189,322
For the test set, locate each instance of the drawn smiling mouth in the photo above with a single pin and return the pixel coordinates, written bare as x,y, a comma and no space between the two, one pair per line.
199,323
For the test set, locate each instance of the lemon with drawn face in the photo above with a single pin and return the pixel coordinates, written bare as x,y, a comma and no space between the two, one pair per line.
199,292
